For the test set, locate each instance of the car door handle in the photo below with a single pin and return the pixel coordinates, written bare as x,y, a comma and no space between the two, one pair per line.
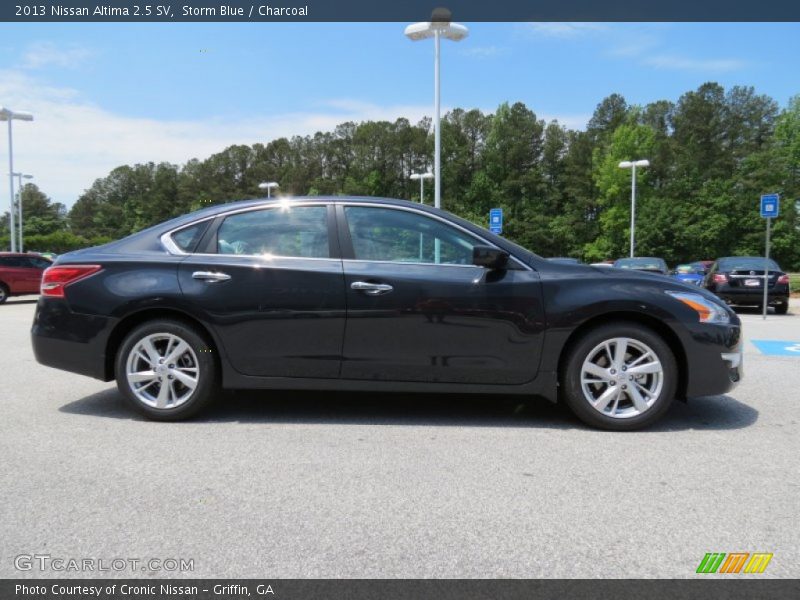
210,276
371,289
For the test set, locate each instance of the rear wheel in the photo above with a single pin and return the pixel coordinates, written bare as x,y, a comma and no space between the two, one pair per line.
782,308
620,376
3,293
165,370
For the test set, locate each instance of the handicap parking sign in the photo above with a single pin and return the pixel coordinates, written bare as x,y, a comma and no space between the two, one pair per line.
496,220
770,205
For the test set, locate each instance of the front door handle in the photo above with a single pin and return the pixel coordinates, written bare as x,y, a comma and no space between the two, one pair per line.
210,276
371,289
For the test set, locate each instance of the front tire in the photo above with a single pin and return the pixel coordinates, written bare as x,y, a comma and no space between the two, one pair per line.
3,293
621,376
165,369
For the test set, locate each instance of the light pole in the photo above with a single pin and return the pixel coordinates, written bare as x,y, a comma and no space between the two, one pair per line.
437,28
268,185
422,177
6,114
20,177
627,164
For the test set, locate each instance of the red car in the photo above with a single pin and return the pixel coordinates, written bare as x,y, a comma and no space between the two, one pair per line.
20,274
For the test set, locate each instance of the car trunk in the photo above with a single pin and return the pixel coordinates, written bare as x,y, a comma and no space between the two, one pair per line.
751,278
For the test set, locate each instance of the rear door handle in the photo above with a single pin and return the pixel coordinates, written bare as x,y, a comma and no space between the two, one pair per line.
210,276
371,289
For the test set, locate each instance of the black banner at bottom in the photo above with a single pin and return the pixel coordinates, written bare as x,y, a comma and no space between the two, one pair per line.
396,589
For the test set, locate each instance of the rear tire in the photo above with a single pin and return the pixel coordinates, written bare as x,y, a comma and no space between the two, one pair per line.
620,376
3,293
782,308
166,370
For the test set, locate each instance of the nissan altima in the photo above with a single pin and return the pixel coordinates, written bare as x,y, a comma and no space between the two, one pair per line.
380,295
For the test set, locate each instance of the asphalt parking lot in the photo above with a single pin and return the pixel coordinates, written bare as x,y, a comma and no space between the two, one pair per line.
277,484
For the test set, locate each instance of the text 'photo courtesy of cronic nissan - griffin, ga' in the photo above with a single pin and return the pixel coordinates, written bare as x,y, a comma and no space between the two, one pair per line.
378,295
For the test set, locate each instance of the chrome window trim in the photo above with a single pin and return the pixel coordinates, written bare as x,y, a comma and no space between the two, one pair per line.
169,245
398,262
346,203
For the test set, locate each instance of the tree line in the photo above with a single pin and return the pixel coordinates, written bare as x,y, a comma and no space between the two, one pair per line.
712,152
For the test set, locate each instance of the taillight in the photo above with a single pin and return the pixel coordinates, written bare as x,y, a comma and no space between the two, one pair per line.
56,278
783,279
720,278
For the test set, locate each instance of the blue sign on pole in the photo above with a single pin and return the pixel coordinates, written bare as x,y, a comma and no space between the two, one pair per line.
770,205
496,220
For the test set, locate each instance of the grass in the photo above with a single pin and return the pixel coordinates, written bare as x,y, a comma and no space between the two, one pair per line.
794,282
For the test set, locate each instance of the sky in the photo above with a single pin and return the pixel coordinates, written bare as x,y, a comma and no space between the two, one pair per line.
105,95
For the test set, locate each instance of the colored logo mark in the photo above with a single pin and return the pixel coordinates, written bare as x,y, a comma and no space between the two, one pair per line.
734,562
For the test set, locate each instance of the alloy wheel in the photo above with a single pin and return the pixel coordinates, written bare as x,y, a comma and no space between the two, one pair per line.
622,377
162,370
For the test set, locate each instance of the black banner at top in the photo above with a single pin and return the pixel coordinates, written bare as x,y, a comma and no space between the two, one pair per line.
396,10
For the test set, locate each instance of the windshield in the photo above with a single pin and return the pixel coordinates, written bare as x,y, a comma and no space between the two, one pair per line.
746,263
689,269
640,263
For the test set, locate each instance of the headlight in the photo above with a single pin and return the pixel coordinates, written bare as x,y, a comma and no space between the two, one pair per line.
707,310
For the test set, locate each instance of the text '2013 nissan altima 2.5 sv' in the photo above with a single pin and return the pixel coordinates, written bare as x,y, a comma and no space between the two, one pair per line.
374,294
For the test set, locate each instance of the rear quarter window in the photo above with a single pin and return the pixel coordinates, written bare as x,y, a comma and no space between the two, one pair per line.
187,238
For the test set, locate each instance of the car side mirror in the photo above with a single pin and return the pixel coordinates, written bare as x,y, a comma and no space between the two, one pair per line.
489,257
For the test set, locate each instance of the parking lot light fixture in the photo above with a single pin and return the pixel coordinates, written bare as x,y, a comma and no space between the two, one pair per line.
422,177
6,114
628,164
268,185
20,177
437,28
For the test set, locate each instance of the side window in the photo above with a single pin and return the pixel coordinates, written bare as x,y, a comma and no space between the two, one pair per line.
186,239
14,261
38,263
387,234
299,231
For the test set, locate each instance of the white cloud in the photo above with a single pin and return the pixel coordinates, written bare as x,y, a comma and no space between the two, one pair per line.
574,121
72,141
563,30
42,54
683,63
485,51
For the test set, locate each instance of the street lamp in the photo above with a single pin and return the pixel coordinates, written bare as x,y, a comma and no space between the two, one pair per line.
627,164
20,177
438,27
268,185
6,114
422,177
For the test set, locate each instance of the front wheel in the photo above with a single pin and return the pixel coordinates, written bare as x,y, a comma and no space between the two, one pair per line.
620,376
166,370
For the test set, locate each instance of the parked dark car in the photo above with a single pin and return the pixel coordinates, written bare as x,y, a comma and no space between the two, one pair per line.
379,295
643,263
692,273
739,280
564,260
20,273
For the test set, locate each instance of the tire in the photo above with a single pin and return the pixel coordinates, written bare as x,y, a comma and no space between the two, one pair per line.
3,293
624,404
167,395
782,308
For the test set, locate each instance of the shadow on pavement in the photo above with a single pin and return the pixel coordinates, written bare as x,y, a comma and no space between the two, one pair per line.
445,410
